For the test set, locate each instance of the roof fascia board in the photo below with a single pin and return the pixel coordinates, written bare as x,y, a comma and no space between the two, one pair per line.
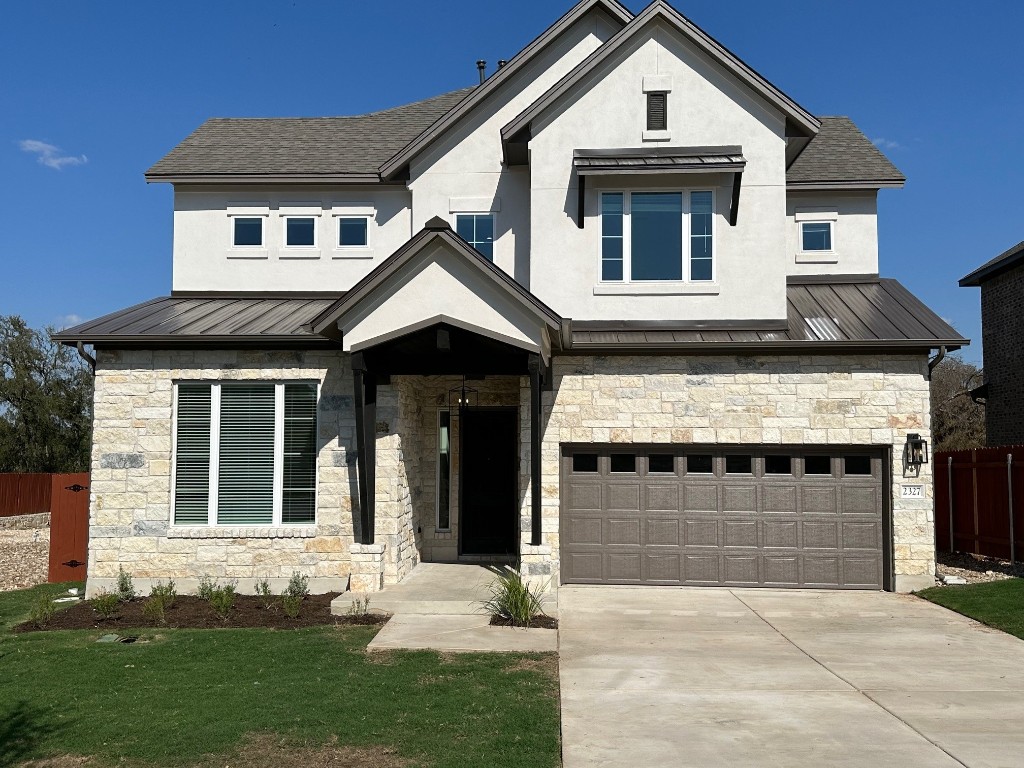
866,184
264,178
199,341
614,9
1012,258
794,347
659,9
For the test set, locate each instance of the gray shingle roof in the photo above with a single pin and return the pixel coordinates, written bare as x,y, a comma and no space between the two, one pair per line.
303,146
840,153
1004,261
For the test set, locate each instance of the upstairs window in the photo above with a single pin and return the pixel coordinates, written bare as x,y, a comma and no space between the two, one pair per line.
247,232
657,236
477,229
657,111
816,236
300,232
352,232
245,454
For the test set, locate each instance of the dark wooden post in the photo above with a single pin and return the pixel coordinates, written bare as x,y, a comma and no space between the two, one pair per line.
365,389
535,427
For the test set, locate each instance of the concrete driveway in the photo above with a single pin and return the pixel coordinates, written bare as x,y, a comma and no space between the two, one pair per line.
655,676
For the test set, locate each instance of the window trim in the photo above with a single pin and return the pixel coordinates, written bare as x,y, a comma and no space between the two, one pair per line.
804,216
627,285
278,504
248,211
364,211
494,230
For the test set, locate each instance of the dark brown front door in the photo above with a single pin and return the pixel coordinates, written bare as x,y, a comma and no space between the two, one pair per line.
489,481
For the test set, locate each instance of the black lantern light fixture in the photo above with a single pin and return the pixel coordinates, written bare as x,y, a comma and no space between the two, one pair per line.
461,397
915,452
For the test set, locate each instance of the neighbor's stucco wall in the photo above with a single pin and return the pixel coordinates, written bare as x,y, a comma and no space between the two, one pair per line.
854,233
204,259
130,493
847,400
705,107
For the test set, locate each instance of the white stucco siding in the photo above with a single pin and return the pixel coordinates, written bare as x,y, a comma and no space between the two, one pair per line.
854,217
204,259
705,107
467,163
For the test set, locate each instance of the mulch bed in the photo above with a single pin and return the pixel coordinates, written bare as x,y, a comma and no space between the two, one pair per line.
190,612
977,568
537,622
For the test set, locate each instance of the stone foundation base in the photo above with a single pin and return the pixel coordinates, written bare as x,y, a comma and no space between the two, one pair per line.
914,583
317,586
367,568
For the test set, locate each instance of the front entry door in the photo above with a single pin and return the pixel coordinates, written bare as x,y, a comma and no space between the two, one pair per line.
489,506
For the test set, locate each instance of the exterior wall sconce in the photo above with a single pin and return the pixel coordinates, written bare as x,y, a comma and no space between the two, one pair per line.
915,452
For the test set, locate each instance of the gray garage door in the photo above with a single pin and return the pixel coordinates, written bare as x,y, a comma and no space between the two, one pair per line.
770,516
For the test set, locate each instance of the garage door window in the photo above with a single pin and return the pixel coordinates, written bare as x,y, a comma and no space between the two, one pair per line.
817,465
775,464
584,462
699,464
623,462
739,464
662,463
858,465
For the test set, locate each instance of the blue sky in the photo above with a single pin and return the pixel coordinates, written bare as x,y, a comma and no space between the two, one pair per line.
101,90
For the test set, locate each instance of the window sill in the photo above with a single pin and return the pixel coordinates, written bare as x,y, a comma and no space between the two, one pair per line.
259,532
657,289
817,257
255,253
354,253
657,136
312,253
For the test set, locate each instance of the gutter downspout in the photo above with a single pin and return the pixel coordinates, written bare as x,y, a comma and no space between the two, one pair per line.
86,356
935,361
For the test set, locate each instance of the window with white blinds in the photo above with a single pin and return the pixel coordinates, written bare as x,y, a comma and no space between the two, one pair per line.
245,454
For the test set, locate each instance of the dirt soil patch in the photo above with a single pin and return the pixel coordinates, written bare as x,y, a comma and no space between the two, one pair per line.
537,622
265,751
190,612
976,568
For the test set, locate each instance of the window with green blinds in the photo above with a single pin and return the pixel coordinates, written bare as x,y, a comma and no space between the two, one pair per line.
245,454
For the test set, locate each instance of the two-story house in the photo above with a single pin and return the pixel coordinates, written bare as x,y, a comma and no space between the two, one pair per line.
613,314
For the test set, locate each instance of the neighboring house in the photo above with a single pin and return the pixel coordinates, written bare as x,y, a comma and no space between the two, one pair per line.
614,314
1002,330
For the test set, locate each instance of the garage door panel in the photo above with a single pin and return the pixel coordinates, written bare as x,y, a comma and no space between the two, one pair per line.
623,497
622,531
785,522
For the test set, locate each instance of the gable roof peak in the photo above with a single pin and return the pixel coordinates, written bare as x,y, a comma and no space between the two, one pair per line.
437,224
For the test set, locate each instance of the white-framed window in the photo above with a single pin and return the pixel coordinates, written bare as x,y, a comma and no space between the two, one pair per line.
664,236
352,227
244,453
444,470
477,229
247,229
353,231
300,225
300,231
247,232
816,232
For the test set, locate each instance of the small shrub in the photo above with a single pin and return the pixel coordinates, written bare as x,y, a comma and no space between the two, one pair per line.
42,611
106,604
512,599
164,592
359,607
223,600
154,610
292,604
125,587
207,586
264,593
298,585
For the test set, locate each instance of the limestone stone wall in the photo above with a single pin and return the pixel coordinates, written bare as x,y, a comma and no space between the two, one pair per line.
843,400
130,517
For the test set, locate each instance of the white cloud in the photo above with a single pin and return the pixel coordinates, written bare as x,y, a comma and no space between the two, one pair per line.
49,155
66,321
887,143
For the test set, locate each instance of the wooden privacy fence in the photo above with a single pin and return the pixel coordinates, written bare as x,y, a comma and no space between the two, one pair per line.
979,495
66,498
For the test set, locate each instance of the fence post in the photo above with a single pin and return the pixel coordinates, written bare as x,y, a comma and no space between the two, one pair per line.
1009,491
949,492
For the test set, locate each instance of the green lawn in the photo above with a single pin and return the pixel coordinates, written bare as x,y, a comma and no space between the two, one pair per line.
999,604
193,692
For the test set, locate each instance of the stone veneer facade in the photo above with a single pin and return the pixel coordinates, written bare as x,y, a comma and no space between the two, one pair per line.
844,400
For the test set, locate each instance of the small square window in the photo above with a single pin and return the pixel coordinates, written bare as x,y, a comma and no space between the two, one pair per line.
477,229
739,464
816,236
352,232
248,232
777,464
699,464
661,462
584,462
857,465
623,462
300,232
817,465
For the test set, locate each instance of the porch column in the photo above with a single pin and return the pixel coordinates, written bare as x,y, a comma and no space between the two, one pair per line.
535,417
365,389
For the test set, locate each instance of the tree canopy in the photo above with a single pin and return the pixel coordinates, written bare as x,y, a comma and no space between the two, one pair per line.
45,402
958,423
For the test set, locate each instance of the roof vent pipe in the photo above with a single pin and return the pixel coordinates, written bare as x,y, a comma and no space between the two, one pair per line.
501,63
481,67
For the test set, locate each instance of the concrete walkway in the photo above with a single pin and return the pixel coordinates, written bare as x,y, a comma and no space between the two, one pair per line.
717,677
438,606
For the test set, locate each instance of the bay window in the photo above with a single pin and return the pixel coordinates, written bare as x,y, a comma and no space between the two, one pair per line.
657,236
245,454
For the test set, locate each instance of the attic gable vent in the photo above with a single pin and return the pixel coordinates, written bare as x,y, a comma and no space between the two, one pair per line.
657,117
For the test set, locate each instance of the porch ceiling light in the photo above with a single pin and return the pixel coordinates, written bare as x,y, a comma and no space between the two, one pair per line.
460,397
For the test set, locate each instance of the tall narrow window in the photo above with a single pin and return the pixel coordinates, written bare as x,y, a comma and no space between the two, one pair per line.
656,236
477,229
298,493
701,214
245,494
444,470
657,111
192,456
611,236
